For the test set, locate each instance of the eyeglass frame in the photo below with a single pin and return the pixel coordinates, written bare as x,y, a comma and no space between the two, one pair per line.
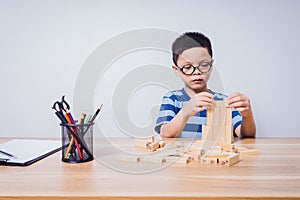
198,67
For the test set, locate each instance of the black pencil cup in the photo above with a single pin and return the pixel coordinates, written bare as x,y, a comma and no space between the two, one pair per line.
77,142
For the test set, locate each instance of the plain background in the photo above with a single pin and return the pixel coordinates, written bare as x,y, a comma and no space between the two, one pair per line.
44,43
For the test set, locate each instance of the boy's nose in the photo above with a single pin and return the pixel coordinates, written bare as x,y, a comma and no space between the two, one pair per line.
197,71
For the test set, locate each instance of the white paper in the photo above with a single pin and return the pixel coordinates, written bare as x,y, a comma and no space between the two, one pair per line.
27,150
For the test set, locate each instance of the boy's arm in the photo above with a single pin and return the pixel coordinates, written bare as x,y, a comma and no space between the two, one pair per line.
175,126
195,104
241,103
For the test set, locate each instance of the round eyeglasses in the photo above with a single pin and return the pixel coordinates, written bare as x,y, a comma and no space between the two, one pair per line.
189,69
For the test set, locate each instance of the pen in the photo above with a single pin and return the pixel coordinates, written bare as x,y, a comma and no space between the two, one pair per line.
87,119
8,154
91,119
81,118
70,120
95,115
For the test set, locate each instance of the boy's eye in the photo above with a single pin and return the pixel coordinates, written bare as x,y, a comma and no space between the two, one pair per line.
205,64
187,67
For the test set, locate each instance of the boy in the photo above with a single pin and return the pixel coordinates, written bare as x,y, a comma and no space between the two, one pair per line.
183,112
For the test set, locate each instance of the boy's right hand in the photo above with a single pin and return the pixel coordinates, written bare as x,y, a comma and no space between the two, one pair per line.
197,103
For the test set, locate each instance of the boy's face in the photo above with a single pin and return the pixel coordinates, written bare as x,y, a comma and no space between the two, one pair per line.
195,56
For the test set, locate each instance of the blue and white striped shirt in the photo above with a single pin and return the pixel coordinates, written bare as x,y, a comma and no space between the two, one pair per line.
172,103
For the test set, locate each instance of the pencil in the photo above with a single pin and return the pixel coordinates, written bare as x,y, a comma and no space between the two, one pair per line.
70,120
95,115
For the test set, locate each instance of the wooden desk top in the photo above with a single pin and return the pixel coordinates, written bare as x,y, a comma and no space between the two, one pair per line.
273,173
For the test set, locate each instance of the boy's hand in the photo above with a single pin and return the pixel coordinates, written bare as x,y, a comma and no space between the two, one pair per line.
240,102
197,103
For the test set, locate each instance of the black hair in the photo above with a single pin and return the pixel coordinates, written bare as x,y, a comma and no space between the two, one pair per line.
189,40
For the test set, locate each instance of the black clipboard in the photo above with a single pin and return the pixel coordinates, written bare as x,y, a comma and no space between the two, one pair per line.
24,152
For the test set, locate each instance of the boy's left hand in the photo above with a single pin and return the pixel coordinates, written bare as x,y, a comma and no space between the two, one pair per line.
239,102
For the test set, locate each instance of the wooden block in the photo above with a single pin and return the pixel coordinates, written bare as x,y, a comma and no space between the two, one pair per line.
161,144
230,160
169,152
203,160
195,156
222,115
179,160
143,142
153,159
215,116
209,116
221,133
205,129
229,127
194,148
219,123
212,161
153,146
209,148
247,152
217,148
206,161
229,134
233,159
128,158
218,155
228,117
209,161
227,147
212,133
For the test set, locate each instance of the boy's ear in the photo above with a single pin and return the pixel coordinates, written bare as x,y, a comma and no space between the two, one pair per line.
175,70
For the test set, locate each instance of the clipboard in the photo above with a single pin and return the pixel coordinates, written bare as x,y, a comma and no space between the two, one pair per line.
24,152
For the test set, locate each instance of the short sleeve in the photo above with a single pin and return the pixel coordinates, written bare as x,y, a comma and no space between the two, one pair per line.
236,119
167,111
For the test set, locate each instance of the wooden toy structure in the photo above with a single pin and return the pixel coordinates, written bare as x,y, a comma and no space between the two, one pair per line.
215,147
218,126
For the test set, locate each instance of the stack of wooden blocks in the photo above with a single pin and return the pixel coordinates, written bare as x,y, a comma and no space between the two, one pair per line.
218,131
216,146
218,124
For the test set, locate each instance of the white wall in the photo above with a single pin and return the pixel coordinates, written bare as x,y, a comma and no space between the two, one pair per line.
44,45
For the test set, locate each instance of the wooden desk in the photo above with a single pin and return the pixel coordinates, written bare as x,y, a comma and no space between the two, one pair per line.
274,173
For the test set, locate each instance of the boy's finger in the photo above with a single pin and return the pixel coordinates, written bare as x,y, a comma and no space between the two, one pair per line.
205,104
235,98
238,104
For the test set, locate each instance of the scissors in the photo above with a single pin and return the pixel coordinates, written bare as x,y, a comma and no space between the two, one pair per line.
61,107
62,111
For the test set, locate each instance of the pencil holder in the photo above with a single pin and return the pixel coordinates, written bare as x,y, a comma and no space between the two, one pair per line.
77,142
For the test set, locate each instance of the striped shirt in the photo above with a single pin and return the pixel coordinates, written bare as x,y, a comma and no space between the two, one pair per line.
172,103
